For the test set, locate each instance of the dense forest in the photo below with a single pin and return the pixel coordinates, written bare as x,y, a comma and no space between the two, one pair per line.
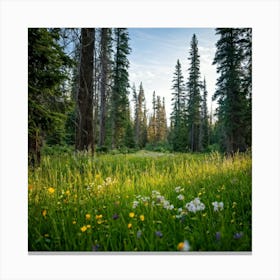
79,95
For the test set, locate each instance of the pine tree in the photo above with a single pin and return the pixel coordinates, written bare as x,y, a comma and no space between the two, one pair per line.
119,97
47,102
231,97
194,98
178,131
204,135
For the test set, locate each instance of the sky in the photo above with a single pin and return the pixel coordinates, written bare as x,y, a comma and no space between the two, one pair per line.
154,53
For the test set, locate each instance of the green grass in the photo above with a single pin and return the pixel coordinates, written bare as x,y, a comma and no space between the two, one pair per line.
109,184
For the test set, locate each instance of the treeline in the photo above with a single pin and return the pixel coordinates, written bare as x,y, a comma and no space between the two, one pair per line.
192,127
78,94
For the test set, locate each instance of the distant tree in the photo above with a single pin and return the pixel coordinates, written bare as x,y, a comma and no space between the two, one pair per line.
194,97
105,65
233,99
178,121
119,97
48,102
140,117
204,126
85,136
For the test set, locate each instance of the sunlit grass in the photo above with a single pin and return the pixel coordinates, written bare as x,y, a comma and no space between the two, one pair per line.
133,203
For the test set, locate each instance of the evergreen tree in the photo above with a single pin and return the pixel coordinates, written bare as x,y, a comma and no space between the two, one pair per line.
47,102
119,97
178,125
194,98
204,135
232,100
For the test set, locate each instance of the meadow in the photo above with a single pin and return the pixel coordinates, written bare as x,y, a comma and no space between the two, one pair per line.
145,201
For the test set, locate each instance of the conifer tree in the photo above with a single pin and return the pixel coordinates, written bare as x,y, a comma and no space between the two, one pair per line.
178,122
230,94
47,64
194,98
204,135
119,97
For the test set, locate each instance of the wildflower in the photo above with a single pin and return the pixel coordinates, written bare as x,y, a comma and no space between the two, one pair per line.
98,217
171,207
30,187
88,216
99,222
238,235
131,215
129,226
44,213
179,189
184,246
74,222
67,192
51,190
83,228
180,197
195,205
139,233
88,226
115,216
135,204
97,176
218,236
142,218
180,209
218,206
159,234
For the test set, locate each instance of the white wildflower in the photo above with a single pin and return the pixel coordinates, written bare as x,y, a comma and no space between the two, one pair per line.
135,203
180,197
218,206
195,205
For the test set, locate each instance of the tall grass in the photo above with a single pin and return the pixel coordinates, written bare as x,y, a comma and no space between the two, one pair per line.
125,202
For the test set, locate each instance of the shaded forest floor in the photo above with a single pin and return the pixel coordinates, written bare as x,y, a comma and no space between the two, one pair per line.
145,201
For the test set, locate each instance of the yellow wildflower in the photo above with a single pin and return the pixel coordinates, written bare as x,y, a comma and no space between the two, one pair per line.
67,192
88,216
180,246
142,218
83,228
51,190
74,222
98,217
44,213
99,222
88,226
129,226
131,215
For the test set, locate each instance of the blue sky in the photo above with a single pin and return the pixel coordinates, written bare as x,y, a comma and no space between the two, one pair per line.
155,52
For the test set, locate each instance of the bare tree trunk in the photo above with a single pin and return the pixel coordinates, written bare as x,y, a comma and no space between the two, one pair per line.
85,139
104,81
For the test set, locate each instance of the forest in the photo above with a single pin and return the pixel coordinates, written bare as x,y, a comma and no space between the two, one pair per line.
110,172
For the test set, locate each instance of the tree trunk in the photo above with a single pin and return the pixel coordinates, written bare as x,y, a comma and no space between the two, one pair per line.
85,139
103,88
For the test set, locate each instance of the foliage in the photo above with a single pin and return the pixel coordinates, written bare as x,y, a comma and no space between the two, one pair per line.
233,98
47,100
